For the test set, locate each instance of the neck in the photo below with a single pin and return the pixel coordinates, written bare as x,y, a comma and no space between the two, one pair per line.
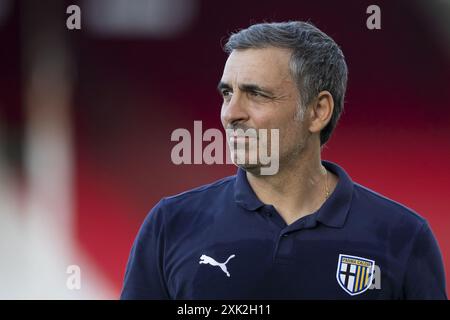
298,189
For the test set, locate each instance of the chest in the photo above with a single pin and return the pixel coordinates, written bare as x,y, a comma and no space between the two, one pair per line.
273,264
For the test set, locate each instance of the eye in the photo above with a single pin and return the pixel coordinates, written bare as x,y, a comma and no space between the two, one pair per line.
226,94
256,94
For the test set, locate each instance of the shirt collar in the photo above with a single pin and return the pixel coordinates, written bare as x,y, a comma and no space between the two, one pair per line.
244,194
332,213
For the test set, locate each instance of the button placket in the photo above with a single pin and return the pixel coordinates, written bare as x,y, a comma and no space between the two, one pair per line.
285,244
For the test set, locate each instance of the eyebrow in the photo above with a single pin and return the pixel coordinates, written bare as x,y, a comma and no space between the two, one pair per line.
246,87
223,85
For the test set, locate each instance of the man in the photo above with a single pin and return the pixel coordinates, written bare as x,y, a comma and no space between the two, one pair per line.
306,232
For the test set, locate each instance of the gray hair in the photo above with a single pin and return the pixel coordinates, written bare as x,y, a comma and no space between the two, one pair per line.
317,63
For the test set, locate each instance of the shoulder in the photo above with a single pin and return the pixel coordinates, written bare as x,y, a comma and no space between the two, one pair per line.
193,201
202,192
384,210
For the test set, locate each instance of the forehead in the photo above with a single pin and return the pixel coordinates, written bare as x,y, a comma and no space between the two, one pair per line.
267,66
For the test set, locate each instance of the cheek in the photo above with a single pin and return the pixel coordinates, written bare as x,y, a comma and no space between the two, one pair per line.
291,135
222,113
286,123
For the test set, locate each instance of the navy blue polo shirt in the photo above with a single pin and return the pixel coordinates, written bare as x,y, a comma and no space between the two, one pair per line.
220,241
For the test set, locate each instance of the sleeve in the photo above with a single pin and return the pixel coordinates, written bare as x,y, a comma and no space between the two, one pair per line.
144,276
424,275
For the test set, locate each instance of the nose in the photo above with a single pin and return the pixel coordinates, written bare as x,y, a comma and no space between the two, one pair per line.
234,111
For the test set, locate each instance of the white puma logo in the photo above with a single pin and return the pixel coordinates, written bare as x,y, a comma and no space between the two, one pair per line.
204,259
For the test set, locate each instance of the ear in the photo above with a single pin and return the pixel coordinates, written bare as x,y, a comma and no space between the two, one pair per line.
321,111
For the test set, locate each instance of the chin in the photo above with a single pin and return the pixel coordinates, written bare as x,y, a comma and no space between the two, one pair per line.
254,169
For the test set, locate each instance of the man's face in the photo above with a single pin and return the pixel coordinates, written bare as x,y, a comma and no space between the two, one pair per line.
259,93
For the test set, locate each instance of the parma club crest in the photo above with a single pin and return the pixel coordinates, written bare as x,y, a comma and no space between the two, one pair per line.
354,274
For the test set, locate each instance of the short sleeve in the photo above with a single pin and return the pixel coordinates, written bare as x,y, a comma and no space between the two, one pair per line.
424,275
144,276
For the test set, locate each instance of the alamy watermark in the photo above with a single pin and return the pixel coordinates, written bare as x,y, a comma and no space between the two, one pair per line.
73,21
73,281
249,148
373,22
